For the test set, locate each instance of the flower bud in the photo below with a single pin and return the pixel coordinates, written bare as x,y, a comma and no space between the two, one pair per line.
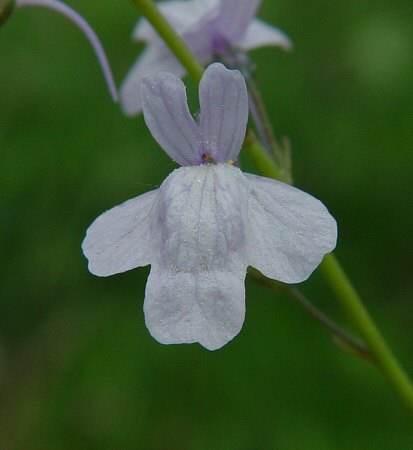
6,8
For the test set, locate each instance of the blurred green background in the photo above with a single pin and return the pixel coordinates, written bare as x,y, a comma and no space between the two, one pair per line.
78,369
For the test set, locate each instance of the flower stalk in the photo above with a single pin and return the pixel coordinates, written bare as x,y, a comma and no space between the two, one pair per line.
355,310
171,38
330,268
86,29
279,154
265,164
342,338
240,61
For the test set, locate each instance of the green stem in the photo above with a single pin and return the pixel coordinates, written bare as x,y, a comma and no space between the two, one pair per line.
353,306
261,158
171,38
330,267
281,161
264,118
343,339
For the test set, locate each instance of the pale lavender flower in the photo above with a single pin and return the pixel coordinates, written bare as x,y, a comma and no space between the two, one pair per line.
208,221
211,28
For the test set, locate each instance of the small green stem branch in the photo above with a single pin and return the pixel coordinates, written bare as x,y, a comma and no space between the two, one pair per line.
353,306
343,339
281,157
330,267
262,111
171,38
262,160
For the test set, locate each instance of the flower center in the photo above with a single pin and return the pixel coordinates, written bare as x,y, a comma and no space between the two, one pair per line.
208,159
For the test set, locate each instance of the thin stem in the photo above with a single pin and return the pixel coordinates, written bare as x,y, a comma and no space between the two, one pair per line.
281,156
353,306
254,112
81,23
262,160
345,340
171,38
357,347
266,126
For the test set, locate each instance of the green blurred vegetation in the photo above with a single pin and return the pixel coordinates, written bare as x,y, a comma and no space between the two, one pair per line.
78,369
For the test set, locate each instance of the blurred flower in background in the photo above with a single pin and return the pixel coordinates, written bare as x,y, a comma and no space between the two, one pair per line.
211,29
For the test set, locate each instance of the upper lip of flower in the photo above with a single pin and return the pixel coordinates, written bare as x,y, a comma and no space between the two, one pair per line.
222,121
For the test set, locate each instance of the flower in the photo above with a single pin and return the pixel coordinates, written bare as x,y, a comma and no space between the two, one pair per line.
208,221
210,28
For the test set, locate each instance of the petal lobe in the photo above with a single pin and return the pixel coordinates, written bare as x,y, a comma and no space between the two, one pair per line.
291,231
224,112
182,308
123,237
168,118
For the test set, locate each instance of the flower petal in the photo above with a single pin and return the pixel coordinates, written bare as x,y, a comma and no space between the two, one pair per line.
181,14
199,38
205,307
259,34
122,238
291,231
224,112
195,292
167,116
235,17
155,59
204,219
